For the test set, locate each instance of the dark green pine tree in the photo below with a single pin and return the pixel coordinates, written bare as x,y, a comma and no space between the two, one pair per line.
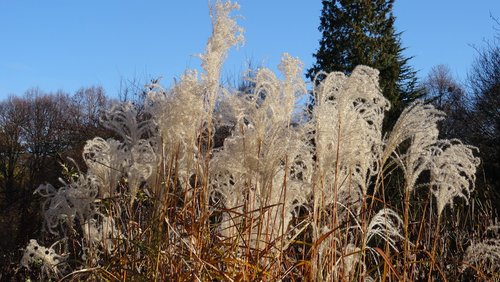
361,32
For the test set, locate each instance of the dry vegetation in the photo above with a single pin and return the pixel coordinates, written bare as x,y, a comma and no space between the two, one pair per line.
288,196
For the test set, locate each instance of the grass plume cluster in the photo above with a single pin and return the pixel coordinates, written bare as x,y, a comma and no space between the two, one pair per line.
282,198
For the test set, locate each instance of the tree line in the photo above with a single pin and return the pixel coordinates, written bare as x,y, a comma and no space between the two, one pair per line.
39,129
40,133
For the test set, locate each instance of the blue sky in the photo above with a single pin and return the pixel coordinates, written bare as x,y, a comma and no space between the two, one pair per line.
65,45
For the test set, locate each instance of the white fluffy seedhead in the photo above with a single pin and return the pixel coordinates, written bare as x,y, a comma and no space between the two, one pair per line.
225,34
266,163
106,160
133,159
387,225
179,112
100,231
453,172
123,119
484,255
143,162
72,201
348,116
49,260
292,87
418,124
181,118
111,161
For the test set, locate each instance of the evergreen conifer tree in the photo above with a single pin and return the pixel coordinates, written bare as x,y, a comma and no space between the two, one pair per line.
361,32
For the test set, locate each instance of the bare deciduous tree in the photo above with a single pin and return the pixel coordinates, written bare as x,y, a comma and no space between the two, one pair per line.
449,96
12,114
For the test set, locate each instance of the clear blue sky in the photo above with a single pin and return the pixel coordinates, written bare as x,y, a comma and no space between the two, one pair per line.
60,44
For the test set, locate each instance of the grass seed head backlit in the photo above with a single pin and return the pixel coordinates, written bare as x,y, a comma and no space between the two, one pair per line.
281,197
